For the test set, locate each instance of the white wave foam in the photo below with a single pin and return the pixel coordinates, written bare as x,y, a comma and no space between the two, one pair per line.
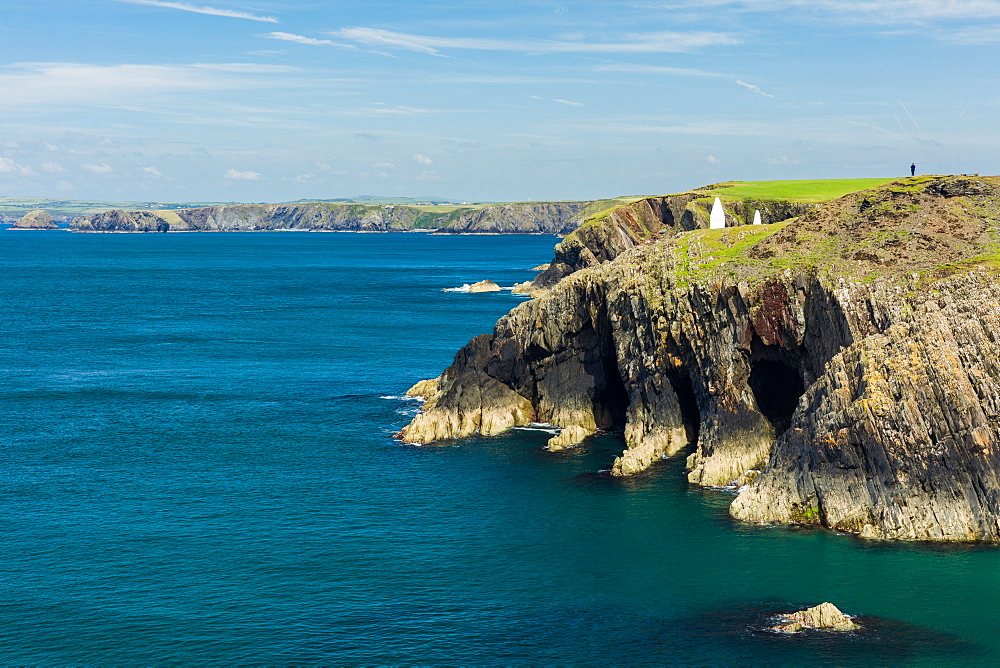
541,426
465,287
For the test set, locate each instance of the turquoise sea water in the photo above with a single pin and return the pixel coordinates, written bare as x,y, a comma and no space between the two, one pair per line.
198,467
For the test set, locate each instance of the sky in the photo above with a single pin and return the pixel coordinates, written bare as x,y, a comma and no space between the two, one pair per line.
279,100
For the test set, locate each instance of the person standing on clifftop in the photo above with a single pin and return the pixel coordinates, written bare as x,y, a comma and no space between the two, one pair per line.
913,169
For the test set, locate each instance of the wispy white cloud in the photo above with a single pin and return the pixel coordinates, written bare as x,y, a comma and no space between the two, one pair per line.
418,43
69,83
782,160
152,171
905,11
681,126
101,168
8,166
381,109
246,68
311,41
569,103
237,175
422,159
754,89
910,116
980,34
862,124
653,42
509,79
884,11
52,167
656,69
211,11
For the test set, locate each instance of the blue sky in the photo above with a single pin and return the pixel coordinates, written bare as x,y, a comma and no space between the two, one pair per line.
276,100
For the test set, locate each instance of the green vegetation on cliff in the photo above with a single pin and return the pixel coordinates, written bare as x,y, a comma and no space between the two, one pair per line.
812,190
930,226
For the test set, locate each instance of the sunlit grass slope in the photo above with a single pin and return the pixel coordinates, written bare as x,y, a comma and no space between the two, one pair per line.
816,190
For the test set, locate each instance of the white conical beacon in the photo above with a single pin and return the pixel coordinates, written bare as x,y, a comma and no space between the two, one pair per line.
717,220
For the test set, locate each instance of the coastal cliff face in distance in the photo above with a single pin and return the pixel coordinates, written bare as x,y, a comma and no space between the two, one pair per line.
515,218
841,368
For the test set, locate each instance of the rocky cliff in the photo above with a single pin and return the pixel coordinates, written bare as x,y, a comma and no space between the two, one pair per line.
257,217
607,234
518,218
842,368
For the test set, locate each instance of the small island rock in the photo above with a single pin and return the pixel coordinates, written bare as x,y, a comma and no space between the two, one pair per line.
485,286
36,220
824,616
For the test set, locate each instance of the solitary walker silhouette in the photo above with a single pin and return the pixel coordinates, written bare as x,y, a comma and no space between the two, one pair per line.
913,168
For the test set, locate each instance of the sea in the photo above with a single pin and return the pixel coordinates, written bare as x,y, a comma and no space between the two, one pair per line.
198,467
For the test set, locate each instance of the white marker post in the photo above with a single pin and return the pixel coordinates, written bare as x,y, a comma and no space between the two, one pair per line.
717,220
756,217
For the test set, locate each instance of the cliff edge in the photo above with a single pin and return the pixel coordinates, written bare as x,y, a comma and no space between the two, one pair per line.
842,368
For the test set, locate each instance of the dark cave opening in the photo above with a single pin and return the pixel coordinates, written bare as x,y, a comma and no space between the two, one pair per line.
680,381
613,397
776,387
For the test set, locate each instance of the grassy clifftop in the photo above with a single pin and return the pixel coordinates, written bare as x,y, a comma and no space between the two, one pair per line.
932,226
813,190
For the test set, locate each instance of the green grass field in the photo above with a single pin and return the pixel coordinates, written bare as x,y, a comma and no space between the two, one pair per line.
818,190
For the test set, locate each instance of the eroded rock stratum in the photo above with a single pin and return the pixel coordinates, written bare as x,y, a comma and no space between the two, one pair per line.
842,367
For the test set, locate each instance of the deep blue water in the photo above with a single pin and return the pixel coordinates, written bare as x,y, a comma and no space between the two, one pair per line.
198,467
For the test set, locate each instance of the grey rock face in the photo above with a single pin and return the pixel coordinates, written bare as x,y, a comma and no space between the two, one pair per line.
521,218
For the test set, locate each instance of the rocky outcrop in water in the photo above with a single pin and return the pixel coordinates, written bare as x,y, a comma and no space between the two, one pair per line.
842,369
824,617
485,285
35,220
